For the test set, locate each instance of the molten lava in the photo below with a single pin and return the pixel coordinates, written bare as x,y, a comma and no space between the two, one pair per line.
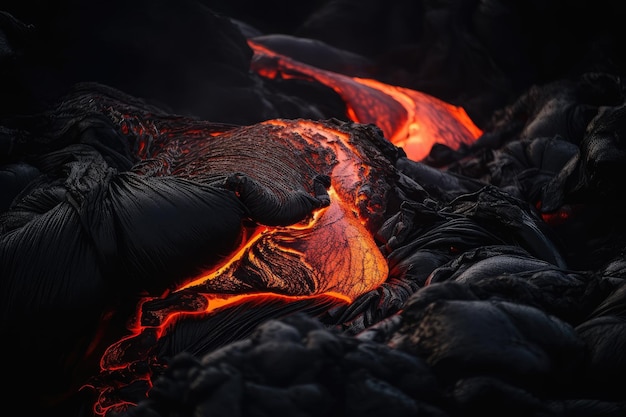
316,192
410,119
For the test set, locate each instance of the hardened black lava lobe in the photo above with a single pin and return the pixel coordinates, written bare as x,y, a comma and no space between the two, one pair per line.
87,235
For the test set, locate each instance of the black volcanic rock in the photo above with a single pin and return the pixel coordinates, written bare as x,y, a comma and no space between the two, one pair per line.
506,262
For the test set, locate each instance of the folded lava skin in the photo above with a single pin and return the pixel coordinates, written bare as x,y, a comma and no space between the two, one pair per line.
182,235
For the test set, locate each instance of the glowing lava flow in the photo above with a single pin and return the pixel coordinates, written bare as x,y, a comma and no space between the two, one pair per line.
327,258
332,250
409,119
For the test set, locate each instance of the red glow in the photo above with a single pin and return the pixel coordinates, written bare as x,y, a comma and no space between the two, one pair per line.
409,119
560,216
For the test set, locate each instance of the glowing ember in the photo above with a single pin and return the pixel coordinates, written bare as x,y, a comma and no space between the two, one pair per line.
409,119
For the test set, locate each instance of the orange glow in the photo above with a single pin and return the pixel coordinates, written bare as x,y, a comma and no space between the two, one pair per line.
409,119
333,253
122,360
235,257
117,355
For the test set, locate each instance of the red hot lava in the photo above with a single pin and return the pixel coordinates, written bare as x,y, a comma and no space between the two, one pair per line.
410,119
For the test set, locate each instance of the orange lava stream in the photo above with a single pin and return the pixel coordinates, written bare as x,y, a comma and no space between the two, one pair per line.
409,119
